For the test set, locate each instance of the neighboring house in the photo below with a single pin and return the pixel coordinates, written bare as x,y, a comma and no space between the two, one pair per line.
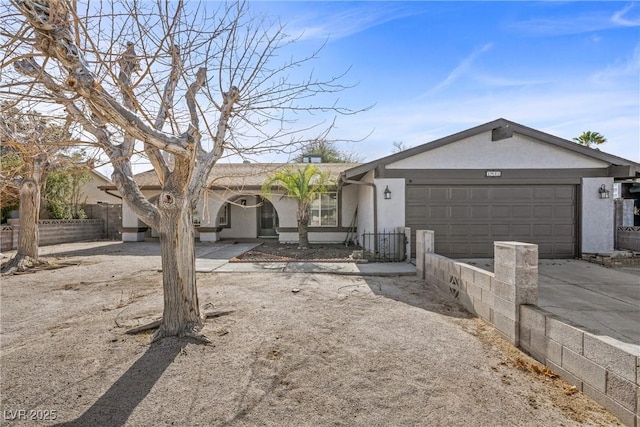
497,181
92,193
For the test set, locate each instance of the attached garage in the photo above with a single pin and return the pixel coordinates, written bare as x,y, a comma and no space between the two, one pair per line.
468,219
500,181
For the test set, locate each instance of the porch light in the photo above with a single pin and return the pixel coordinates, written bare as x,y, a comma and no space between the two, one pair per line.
387,193
604,193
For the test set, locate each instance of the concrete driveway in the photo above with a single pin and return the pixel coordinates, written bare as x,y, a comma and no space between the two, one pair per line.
605,301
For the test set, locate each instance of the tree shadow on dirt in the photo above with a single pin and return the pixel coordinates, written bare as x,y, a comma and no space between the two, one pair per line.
117,404
417,293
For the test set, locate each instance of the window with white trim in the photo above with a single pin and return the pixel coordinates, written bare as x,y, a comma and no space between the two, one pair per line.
324,211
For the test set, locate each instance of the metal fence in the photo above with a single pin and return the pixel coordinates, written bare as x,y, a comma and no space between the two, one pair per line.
386,246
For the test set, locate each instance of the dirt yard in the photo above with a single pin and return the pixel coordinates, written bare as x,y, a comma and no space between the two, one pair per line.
274,252
340,351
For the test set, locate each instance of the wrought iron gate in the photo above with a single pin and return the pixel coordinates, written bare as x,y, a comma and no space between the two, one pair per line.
384,246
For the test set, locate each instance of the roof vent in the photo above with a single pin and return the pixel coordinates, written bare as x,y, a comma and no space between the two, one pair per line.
502,132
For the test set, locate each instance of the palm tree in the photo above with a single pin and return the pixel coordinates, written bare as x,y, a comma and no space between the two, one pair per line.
305,185
588,138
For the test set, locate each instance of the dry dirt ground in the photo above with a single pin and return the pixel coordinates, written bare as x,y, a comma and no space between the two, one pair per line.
274,251
341,351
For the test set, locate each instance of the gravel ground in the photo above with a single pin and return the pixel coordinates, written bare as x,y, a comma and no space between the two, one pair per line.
339,351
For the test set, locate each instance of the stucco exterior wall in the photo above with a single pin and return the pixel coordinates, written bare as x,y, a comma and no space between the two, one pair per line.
391,213
91,194
597,215
365,206
244,220
348,204
479,152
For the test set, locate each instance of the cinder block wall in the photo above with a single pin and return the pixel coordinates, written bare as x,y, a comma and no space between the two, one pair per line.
54,231
603,368
628,238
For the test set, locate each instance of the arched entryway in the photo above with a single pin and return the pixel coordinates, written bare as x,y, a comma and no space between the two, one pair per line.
267,218
247,216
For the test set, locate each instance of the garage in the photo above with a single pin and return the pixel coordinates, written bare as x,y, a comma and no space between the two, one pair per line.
500,181
468,219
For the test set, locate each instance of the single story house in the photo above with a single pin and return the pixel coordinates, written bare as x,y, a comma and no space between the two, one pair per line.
233,207
497,181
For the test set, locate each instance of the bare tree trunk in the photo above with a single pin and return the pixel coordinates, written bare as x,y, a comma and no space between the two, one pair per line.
181,316
29,214
28,237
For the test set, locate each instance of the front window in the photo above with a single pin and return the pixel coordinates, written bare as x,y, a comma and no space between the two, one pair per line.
223,217
324,210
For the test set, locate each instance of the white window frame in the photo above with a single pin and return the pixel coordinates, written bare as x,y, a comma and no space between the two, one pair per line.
316,218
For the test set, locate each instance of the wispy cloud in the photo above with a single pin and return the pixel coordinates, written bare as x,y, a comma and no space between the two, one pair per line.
578,24
621,17
626,68
460,70
334,25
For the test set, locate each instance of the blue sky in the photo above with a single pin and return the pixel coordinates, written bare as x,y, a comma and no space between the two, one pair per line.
436,68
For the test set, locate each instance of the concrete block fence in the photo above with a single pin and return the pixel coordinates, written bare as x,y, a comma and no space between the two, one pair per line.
54,231
628,238
605,369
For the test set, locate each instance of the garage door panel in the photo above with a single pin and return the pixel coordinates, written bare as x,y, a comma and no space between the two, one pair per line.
565,192
521,230
564,230
543,211
461,212
438,212
438,194
480,212
467,220
480,230
460,195
563,212
544,193
545,230
520,211
500,212
480,194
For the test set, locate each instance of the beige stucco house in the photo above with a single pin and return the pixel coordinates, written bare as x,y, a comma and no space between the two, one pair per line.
497,181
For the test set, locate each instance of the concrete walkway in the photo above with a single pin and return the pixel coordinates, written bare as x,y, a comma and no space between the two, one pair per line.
344,268
604,301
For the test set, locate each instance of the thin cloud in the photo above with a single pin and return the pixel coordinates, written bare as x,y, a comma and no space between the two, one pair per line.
572,24
620,17
460,70
629,67
345,23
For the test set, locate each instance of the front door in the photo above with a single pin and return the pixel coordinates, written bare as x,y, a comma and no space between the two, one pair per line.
267,219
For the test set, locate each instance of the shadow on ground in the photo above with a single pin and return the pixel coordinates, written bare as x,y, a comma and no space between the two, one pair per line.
417,293
117,404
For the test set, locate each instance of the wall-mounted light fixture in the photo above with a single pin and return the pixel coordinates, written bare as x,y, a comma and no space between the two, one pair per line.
604,193
387,193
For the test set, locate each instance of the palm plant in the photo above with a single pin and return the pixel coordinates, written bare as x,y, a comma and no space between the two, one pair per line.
589,138
303,184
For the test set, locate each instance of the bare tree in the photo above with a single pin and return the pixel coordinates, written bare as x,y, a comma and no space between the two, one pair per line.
37,148
180,82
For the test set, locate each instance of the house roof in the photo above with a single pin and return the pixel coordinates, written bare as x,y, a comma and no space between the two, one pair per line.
502,128
241,175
